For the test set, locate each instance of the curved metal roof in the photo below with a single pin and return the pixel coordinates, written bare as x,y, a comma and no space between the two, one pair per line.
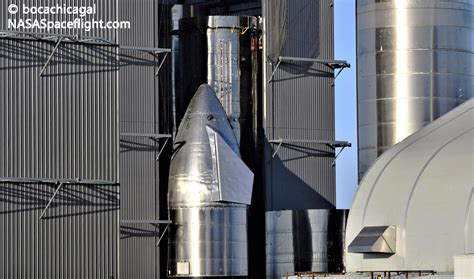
424,187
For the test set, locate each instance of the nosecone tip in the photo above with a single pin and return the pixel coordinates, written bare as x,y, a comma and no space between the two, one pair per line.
204,89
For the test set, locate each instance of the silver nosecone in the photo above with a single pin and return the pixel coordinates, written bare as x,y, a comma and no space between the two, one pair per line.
210,189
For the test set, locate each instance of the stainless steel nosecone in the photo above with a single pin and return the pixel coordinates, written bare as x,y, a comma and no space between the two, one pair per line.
210,189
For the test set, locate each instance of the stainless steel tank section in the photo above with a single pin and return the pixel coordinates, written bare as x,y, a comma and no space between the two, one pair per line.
226,42
209,192
414,63
305,240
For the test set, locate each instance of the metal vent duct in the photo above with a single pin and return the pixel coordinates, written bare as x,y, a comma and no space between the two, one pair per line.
379,239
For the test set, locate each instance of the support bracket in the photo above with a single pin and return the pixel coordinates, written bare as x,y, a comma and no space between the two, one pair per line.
330,143
151,222
51,199
162,234
337,155
51,55
333,64
161,150
161,64
153,136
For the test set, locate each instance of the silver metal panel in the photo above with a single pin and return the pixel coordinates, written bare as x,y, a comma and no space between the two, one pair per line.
375,239
211,236
213,240
234,177
306,240
192,179
299,104
415,62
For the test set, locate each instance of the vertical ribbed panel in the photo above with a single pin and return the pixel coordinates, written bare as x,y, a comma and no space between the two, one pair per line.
141,95
299,104
60,126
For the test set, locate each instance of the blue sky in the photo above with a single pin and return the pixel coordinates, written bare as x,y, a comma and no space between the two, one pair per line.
346,111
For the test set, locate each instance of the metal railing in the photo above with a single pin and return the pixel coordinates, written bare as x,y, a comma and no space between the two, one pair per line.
389,273
312,274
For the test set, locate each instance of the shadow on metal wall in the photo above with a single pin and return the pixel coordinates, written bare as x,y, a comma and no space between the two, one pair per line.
129,146
71,200
79,58
303,70
285,189
129,231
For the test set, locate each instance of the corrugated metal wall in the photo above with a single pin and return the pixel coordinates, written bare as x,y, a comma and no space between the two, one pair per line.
62,125
65,125
299,104
143,99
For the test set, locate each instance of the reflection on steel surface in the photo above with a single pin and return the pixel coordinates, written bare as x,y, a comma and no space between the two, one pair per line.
415,62
305,240
209,192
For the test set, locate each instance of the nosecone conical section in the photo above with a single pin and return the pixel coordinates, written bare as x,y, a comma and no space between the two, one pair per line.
209,233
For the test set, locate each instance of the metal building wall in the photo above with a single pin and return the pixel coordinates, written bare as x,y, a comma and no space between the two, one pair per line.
142,103
59,126
299,104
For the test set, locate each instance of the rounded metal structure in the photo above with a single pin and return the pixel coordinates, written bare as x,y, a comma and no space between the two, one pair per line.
424,187
415,62
304,240
230,66
208,238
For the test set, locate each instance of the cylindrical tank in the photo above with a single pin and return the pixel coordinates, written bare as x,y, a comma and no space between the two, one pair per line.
304,241
179,12
414,63
208,237
222,51
229,48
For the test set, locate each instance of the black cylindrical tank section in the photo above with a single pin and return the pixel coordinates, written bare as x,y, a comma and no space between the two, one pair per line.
305,241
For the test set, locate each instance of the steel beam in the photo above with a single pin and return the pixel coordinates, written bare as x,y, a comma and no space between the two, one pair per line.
51,200
51,55
162,234
162,148
159,222
161,64
146,135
